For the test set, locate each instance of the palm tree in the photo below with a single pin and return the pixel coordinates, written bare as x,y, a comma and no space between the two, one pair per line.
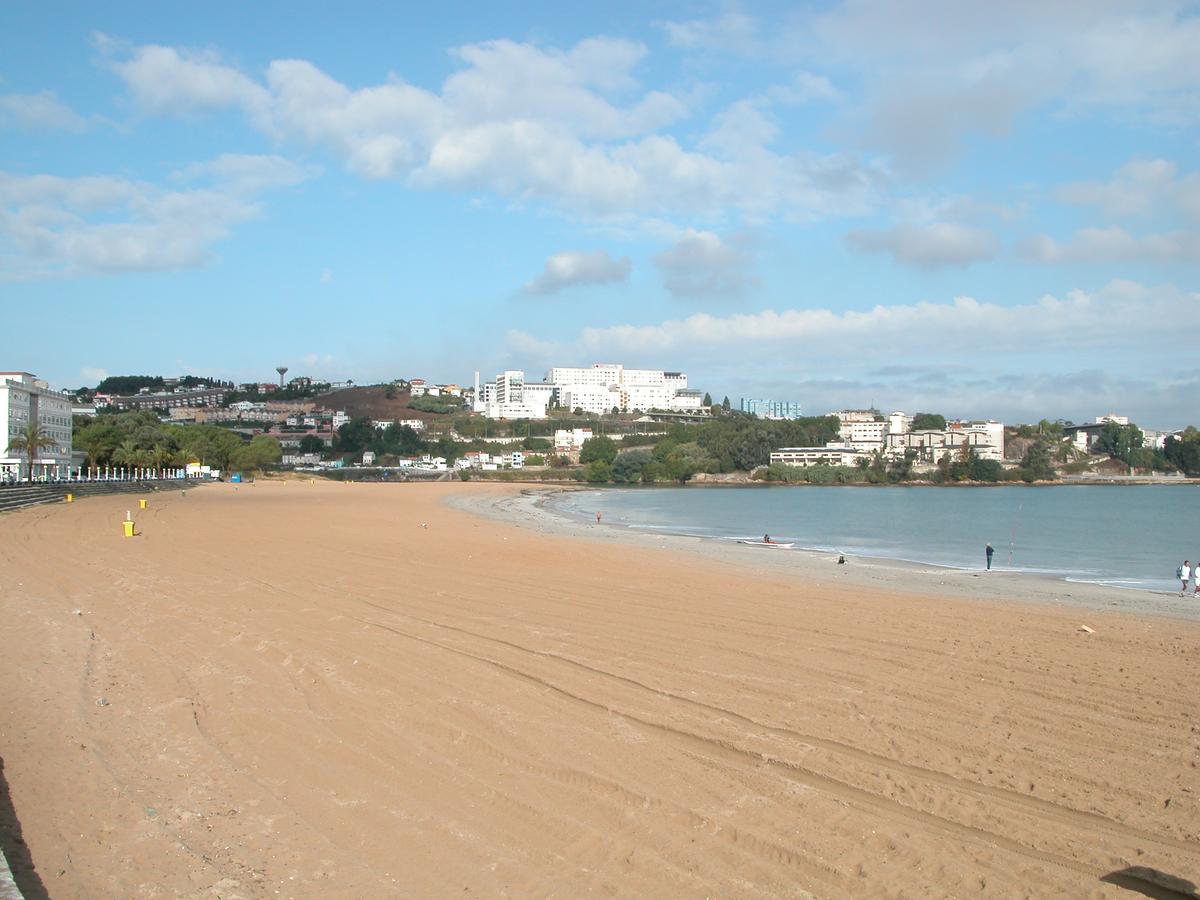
161,456
29,442
127,454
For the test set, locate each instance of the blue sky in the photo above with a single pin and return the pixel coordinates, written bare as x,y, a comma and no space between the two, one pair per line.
943,207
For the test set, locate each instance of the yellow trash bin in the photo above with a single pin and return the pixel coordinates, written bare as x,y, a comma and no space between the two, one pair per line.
70,498
128,528
141,504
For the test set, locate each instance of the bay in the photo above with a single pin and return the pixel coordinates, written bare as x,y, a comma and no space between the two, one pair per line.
1131,537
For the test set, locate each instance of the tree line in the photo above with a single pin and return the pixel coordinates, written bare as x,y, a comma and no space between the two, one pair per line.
139,440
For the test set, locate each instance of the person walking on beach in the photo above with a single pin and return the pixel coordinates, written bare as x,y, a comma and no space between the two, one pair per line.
1184,574
597,518
988,553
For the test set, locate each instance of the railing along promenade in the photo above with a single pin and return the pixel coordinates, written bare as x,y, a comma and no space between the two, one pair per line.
16,495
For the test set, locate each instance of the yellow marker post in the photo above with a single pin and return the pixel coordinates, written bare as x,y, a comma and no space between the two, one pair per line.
70,498
128,523
141,504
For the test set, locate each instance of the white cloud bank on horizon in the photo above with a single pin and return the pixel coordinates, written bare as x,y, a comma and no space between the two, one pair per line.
575,268
55,227
1020,362
1116,314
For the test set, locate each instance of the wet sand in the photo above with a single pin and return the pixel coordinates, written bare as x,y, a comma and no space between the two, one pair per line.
356,690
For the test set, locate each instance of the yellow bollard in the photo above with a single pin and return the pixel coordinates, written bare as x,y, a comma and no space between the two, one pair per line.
70,498
141,504
128,523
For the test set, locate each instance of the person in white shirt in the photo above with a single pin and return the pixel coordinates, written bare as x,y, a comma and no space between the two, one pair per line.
1184,573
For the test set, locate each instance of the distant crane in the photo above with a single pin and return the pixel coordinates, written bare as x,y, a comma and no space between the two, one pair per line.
282,370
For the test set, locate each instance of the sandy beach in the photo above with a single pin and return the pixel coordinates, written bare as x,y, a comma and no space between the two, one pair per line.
350,690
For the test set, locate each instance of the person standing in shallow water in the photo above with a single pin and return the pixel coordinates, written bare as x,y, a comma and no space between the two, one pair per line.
988,553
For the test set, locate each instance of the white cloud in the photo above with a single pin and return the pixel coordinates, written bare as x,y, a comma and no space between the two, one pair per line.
53,227
1139,188
1115,244
732,31
93,374
933,246
173,82
245,173
319,361
929,88
42,110
804,87
702,264
573,268
569,128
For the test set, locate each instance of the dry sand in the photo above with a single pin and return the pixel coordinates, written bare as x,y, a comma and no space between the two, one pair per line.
298,690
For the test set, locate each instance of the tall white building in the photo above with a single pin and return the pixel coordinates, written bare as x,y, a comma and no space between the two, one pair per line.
602,387
510,396
25,399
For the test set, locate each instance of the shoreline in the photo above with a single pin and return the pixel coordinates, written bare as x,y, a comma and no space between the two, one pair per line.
526,506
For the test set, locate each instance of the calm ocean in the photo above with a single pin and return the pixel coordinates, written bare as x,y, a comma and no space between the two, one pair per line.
1126,536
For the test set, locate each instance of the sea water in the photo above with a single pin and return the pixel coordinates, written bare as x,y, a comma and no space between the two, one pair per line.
1127,536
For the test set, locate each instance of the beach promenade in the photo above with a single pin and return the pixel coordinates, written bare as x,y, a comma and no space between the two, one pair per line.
350,690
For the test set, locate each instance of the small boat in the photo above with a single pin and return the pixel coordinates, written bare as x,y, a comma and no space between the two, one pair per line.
776,544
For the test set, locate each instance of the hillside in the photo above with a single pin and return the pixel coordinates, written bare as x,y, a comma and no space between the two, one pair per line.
373,403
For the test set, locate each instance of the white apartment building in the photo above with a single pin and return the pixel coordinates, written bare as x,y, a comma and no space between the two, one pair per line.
601,387
863,433
829,455
25,399
867,436
510,396
569,441
1113,418
984,439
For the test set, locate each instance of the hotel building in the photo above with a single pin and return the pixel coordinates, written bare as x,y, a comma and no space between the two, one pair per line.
25,399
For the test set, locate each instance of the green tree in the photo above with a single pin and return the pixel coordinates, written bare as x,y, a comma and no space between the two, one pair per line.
128,384
725,403
355,436
32,439
128,454
1119,441
1037,464
1184,453
601,449
310,443
162,456
1146,459
924,421
707,399
900,467
629,465
984,469
262,451
597,471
